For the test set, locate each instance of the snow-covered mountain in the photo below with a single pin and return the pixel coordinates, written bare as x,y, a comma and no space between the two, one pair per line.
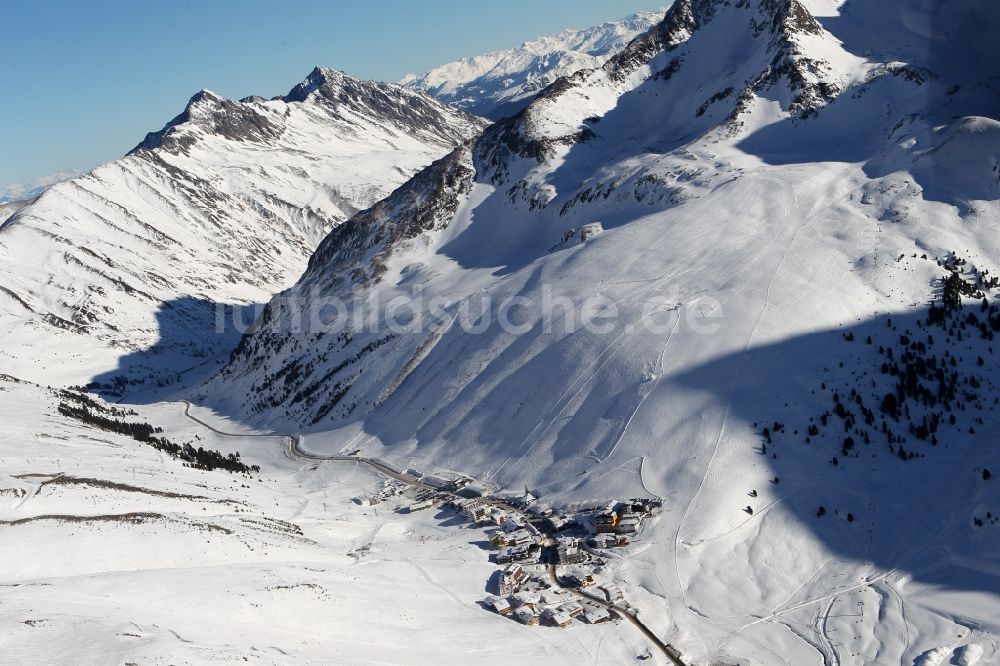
8,208
224,205
502,83
750,206
31,190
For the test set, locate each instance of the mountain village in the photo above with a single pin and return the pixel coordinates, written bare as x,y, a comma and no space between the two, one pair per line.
552,563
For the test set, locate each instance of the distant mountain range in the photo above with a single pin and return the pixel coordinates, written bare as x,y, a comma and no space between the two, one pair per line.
503,82
28,191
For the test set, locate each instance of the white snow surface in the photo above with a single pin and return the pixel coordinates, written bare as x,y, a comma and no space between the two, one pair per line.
115,553
767,176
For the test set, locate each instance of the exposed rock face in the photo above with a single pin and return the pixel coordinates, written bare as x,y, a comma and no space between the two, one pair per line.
362,245
235,121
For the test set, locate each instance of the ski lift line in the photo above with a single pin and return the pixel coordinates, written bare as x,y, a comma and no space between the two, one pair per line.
608,353
659,376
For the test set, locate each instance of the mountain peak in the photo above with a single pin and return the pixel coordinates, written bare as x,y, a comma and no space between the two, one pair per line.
323,79
204,96
239,121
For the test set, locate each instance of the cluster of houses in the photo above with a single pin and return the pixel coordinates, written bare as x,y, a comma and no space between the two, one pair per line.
390,489
541,604
624,518
420,498
517,541
570,551
521,538
527,539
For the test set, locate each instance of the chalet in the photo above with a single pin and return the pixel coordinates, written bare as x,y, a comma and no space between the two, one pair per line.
512,578
629,523
606,541
594,615
612,592
527,616
524,598
575,581
517,539
606,522
570,551
571,608
557,618
521,537
553,597
499,605
528,554
475,510
513,523
482,513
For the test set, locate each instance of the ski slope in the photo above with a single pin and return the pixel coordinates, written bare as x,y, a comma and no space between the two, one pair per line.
752,202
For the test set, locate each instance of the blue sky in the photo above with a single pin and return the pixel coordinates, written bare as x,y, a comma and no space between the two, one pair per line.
82,82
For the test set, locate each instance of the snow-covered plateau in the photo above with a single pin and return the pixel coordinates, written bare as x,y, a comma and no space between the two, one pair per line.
742,270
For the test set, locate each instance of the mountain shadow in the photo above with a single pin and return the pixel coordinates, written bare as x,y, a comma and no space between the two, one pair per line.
195,338
881,438
935,118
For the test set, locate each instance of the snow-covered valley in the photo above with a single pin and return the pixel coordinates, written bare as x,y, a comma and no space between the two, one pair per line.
116,553
743,267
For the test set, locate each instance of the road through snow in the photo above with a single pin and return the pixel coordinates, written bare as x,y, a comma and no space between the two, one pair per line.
294,451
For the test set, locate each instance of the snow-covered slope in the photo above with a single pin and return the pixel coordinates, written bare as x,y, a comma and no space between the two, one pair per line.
501,83
752,205
222,206
114,552
8,208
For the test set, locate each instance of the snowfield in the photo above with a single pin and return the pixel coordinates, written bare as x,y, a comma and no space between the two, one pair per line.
747,265
115,553
762,217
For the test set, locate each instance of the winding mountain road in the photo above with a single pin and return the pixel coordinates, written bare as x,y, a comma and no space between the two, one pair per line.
294,451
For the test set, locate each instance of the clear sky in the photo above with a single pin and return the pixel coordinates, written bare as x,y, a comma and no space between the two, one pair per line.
83,81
